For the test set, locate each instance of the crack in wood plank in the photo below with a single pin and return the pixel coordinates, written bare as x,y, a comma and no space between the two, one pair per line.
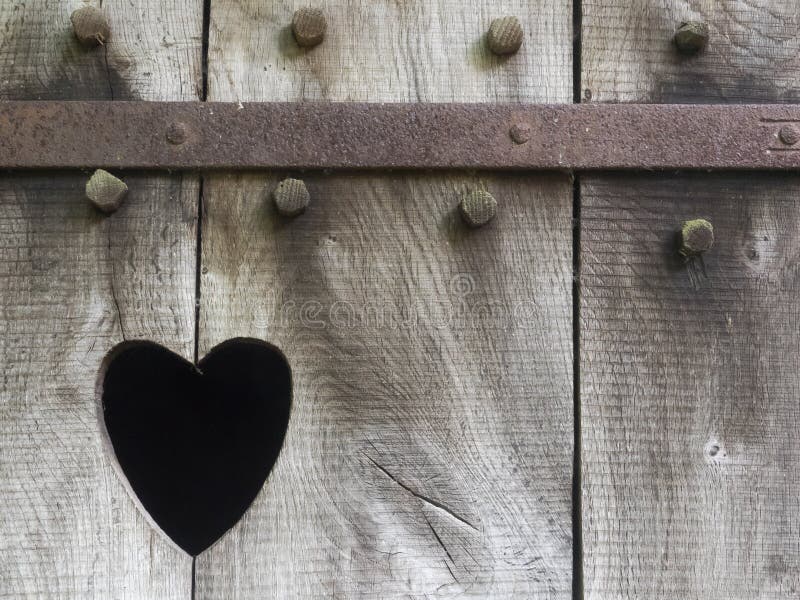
423,497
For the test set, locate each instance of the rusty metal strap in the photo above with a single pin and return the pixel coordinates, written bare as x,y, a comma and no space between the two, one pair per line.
158,135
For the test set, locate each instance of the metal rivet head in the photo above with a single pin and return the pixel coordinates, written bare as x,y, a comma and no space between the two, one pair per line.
697,237
176,134
90,26
477,208
520,133
105,191
291,197
691,37
505,36
309,26
789,135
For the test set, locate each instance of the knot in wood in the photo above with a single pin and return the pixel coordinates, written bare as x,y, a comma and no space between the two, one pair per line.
291,197
697,237
90,26
309,26
105,191
505,36
477,208
691,37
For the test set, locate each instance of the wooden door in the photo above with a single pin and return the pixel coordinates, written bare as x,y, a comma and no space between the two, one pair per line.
552,406
429,452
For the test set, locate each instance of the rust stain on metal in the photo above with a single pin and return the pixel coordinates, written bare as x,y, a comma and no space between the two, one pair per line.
47,135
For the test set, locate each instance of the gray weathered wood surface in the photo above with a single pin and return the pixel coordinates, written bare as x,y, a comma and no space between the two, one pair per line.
689,389
430,449
426,457
689,372
73,284
628,55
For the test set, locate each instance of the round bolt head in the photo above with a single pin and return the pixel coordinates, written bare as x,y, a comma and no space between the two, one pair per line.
691,37
697,237
520,133
176,134
105,191
505,36
477,208
309,26
90,26
789,135
291,197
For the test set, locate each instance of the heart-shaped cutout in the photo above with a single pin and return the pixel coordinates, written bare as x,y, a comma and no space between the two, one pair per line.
196,444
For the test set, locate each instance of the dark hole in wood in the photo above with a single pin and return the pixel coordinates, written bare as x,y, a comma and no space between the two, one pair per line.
196,444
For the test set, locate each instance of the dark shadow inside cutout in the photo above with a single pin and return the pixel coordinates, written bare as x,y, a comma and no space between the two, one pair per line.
196,444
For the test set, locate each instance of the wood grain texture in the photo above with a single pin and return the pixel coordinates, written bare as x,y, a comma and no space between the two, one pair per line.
688,372
429,448
390,51
427,457
753,53
689,389
153,54
73,284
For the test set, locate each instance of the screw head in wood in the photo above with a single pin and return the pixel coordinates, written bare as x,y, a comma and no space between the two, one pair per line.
90,26
505,36
477,208
291,197
691,37
789,135
105,191
697,237
309,26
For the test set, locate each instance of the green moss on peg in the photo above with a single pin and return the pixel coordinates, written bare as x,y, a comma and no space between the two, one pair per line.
697,237
477,208
105,191
691,37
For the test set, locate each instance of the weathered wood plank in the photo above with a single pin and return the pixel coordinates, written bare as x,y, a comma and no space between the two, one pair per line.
753,54
690,386
689,382
426,456
73,284
390,52
429,446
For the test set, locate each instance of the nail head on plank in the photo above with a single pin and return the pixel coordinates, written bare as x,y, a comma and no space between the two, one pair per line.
691,37
697,237
90,26
105,191
291,197
505,36
309,26
477,208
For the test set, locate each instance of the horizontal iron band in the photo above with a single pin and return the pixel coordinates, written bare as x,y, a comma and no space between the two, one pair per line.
231,136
